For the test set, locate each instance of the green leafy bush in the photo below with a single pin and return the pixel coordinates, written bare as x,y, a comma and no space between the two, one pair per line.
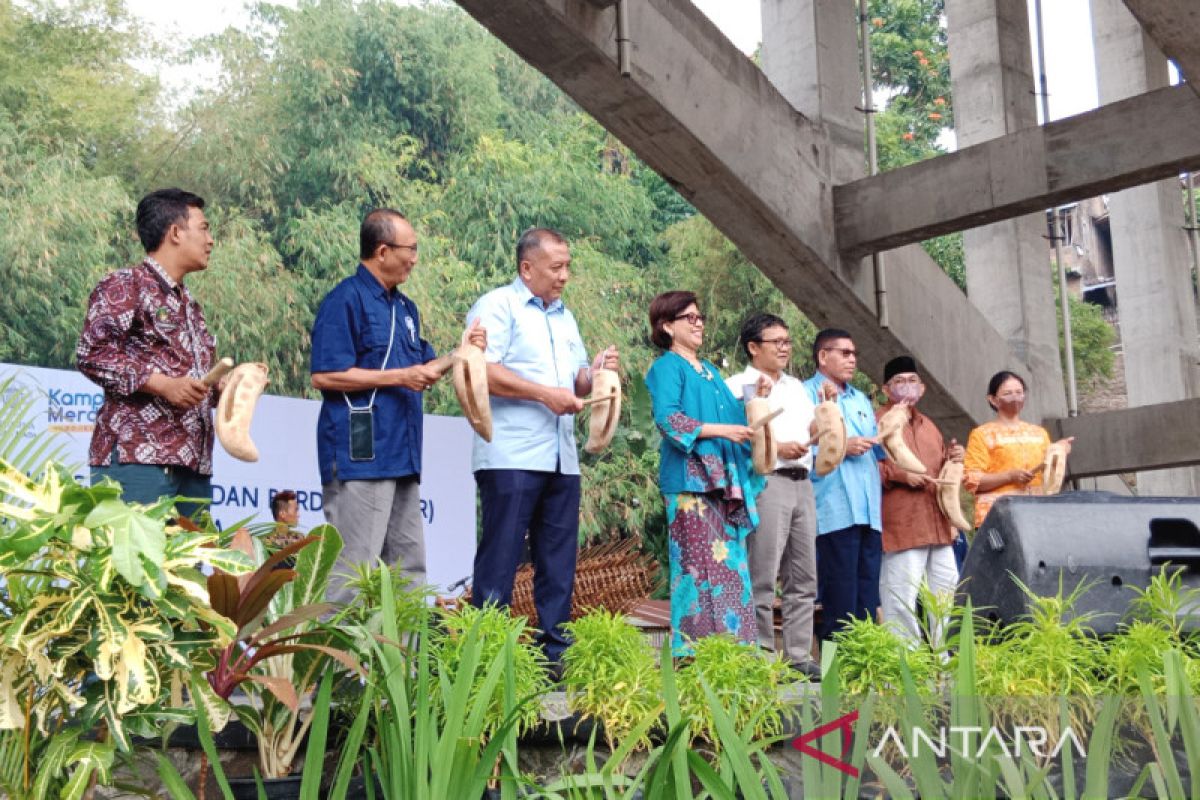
1138,647
411,604
489,629
1165,602
610,675
433,721
871,658
1050,653
281,648
746,681
1092,338
105,613
1136,659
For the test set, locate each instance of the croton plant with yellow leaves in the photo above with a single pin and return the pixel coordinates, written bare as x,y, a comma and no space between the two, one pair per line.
104,609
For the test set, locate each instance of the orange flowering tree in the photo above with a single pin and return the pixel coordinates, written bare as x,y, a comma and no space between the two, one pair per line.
911,80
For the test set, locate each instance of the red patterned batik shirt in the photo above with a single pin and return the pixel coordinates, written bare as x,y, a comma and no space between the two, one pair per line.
140,321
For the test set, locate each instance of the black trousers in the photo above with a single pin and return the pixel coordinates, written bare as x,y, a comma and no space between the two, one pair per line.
848,574
546,505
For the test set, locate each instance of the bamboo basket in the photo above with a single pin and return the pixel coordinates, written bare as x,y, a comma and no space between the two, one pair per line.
615,576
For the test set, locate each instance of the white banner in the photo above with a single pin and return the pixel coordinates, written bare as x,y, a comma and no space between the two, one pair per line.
284,430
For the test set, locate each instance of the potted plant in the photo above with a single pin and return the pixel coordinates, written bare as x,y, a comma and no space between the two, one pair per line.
673,769
280,651
611,675
496,628
103,615
745,681
435,730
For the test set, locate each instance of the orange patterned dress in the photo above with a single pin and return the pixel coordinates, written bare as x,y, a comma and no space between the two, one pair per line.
995,447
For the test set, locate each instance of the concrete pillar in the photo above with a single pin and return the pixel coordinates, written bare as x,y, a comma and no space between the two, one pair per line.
810,54
1009,270
1150,255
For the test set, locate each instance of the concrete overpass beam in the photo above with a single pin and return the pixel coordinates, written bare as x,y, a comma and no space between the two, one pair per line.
1130,439
699,112
1144,138
1174,25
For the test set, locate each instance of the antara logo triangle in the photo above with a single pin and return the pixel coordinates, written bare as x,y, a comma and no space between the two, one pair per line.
844,723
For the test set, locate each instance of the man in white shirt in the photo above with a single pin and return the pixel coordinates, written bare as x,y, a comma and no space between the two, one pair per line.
783,547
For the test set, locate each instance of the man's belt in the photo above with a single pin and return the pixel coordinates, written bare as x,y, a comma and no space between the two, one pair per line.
792,473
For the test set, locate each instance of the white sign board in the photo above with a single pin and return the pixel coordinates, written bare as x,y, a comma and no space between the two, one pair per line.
285,432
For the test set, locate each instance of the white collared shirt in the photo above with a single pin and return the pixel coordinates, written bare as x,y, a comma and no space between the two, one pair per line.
792,425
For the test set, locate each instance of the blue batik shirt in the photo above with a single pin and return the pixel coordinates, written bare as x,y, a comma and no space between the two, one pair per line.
853,493
351,330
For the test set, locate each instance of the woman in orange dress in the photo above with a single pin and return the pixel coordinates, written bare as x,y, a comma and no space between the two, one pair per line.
1004,455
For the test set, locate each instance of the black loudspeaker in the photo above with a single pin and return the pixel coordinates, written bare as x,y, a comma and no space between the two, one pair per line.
1109,542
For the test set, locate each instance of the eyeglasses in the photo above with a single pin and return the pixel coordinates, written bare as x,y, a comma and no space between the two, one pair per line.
846,353
1016,395
782,343
693,319
913,379
412,247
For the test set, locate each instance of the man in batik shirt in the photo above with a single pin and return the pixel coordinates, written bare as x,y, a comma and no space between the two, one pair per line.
145,342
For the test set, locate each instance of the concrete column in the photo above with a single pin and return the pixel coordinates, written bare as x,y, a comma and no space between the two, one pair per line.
810,54
1153,274
1009,270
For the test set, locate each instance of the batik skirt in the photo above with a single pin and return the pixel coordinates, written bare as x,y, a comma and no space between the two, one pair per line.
710,574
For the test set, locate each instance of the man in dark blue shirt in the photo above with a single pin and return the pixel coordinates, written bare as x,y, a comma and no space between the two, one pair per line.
371,365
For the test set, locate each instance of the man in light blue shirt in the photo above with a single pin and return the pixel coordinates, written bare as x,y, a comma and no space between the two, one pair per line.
528,475
850,498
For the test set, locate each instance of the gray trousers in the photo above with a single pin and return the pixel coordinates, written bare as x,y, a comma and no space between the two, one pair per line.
784,548
377,519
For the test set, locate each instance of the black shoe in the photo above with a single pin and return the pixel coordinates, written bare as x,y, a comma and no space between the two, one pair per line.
809,669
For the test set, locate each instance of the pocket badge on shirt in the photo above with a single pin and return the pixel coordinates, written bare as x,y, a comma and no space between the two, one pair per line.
412,329
163,320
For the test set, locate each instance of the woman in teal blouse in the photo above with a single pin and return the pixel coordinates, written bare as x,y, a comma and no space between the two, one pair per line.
706,478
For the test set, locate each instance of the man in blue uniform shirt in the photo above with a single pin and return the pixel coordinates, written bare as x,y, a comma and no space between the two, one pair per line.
850,498
528,475
371,365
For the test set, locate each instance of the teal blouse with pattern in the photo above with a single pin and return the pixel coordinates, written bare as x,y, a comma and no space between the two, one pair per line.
684,399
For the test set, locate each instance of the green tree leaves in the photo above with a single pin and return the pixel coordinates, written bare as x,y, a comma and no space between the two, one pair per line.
912,70
66,79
